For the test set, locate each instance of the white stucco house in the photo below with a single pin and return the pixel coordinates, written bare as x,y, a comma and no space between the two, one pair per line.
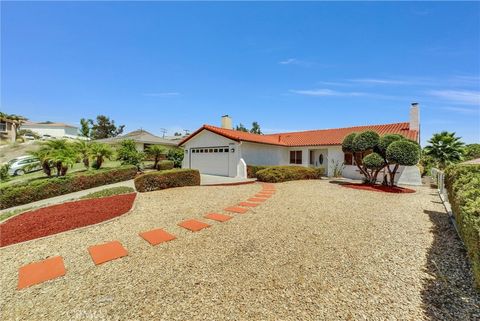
57,130
226,152
143,139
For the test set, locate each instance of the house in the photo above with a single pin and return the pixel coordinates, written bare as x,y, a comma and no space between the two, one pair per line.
8,130
226,152
142,140
51,129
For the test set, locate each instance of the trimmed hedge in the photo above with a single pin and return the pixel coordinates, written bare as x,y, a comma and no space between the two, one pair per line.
165,164
277,174
253,169
153,181
109,192
463,185
24,193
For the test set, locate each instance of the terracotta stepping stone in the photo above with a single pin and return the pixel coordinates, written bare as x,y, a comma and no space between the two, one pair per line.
263,195
193,225
39,272
256,199
218,217
236,209
157,236
107,252
247,204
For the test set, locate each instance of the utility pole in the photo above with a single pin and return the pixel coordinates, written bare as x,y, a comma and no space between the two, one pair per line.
163,131
187,132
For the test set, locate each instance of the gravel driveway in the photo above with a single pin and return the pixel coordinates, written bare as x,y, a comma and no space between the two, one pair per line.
313,251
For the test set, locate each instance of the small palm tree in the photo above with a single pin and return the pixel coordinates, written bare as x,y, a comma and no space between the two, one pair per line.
99,152
445,148
83,149
45,160
156,152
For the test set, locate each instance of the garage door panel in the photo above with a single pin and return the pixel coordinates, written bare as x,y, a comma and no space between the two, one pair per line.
210,160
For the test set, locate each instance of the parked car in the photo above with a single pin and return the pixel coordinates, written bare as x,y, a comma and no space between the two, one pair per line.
23,164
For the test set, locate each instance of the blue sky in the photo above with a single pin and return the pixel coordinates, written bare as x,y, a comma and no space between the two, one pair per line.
289,66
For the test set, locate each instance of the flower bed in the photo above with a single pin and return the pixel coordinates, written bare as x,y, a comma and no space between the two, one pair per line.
379,188
63,217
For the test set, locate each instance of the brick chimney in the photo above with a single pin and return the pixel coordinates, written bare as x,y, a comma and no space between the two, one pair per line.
227,122
414,117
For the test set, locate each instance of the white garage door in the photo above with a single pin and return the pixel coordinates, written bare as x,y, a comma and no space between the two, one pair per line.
210,160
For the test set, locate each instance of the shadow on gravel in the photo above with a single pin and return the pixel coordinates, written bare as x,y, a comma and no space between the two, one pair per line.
450,293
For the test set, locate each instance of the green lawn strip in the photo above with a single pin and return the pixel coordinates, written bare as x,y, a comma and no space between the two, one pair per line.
109,192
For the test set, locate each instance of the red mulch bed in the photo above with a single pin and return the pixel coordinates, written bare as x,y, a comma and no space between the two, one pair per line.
63,217
379,188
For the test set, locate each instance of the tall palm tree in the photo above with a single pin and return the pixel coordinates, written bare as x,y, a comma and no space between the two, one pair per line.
99,152
156,152
445,148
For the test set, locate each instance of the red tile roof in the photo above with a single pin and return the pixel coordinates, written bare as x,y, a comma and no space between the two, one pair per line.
333,136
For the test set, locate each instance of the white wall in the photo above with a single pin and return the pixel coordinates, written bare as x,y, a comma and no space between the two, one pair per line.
262,154
58,132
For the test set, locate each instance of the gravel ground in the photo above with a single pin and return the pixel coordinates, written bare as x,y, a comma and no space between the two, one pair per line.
313,251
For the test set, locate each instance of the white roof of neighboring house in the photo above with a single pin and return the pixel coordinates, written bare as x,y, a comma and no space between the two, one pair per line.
46,124
142,136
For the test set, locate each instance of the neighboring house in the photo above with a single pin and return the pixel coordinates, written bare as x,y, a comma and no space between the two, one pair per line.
56,130
142,140
226,152
8,131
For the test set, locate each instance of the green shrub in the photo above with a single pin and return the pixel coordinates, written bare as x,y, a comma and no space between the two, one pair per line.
347,144
253,169
153,181
463,185
4,175
403,152
165,165
373,161
109,192
176,155
385,141
24,193
365,141
276,174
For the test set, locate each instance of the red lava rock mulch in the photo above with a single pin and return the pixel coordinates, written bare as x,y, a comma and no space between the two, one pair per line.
379,188
63,217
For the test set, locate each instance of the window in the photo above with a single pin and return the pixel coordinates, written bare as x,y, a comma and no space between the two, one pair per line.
311,157
210,150
295,157
226,150
3,126
215,150
348,159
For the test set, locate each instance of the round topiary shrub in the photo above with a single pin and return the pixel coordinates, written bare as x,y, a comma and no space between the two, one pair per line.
347,144
165,165
403,152
365,141
373,161
385,141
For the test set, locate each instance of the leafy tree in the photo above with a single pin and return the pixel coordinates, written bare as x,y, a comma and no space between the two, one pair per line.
177,134
241,128
85,129
83,149
176,155
104,128
23,132
382,152
445,148
256,128
472,151
128,154
155,151
99,152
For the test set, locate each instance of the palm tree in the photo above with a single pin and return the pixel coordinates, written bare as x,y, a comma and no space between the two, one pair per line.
83,149
445,148
45,160
156,152
99,152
